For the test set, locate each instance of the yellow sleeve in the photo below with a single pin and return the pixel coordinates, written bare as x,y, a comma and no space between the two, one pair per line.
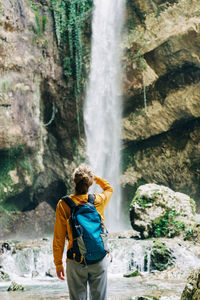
107,189
60,231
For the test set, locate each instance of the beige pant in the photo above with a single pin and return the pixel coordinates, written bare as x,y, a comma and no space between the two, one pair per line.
95,275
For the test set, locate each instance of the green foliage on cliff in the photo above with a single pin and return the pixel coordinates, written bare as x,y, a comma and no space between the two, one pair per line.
69,18
40,20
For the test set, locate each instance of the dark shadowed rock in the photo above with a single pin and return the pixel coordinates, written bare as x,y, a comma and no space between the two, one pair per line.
192,288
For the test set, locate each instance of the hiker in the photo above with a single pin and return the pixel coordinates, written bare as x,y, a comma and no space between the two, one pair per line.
84,271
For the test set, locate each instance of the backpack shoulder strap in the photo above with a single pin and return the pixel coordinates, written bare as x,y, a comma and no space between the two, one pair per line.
69,201
91,198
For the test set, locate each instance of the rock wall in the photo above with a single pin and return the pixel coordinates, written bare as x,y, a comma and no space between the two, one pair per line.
38,122
161,88
39,142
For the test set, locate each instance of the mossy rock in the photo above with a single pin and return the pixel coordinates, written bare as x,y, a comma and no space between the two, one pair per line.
16,287
132,274
157,211
4,276
161,257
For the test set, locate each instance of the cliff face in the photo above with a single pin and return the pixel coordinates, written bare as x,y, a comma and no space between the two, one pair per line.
161,96
39,142
38,127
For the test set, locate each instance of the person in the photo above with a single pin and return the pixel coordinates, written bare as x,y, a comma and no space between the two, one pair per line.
78,275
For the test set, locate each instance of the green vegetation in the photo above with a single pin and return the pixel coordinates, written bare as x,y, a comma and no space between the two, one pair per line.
132,274
40,21
12,160
161,257
144,199
193,206
69,18
190,234
167,225
7,161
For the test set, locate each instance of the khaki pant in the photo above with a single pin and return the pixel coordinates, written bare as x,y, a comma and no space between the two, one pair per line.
95,275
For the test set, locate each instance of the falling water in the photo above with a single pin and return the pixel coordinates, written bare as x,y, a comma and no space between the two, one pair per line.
102,112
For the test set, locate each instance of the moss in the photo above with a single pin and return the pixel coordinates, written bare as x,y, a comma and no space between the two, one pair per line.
167,225
14,160
142,200
132,274
161,257
16,287
193,206
190,234
8,161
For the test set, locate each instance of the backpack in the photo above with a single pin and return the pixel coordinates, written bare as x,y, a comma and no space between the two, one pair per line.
89,238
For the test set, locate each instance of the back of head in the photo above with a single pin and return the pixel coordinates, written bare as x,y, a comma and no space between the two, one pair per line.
83,178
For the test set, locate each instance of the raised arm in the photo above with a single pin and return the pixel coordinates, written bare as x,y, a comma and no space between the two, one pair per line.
106,187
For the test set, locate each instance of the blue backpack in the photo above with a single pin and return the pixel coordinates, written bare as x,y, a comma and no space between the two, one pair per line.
89,238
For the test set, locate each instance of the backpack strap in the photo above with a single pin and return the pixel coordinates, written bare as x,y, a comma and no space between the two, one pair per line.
69,201
91,198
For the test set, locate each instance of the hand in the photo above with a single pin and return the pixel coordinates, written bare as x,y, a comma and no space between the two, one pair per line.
61,274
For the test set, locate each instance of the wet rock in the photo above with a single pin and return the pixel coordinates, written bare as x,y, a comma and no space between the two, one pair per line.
157,211
4,276
192,288
146,298
5,247
161,257
51,272
133,273
16,287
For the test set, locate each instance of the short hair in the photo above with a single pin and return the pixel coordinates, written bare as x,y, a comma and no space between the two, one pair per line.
83,178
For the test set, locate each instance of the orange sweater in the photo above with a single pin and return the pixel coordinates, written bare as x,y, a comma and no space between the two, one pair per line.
63,229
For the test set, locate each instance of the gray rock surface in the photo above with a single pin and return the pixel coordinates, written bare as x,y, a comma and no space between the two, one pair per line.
158,211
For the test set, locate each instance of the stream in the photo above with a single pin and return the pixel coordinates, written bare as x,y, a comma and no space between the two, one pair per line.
28,263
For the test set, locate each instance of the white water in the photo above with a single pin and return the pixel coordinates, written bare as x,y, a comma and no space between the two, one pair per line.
127,254
102,112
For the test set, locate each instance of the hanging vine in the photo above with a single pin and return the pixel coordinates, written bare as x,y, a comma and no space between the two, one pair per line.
70,17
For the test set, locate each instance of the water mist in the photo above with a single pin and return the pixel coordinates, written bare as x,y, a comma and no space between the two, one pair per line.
102,112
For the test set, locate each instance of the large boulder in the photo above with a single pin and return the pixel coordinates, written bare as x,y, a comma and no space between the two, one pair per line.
192,288
157,211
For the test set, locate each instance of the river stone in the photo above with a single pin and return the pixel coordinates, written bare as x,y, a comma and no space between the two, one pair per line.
157,211
161,257
16,287
51,272
4,276
133,273
192,288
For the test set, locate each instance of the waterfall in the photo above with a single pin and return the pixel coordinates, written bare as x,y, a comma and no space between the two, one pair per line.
102,111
